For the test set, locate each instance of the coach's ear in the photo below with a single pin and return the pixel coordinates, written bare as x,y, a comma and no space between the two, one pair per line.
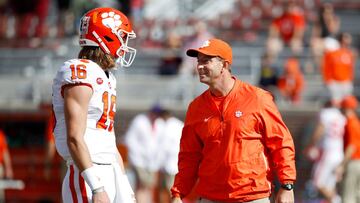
227,65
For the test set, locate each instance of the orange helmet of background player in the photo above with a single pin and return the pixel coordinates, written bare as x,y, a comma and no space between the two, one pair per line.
111,30
349,102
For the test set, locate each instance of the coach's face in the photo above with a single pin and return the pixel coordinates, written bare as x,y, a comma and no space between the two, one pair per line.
209,68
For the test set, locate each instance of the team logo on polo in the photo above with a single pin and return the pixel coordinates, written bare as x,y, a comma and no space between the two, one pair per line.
238,114
205,44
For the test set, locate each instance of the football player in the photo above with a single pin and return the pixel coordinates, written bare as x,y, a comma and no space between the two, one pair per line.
84,103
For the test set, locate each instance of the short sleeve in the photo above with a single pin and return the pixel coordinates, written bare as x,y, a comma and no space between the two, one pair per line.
78,72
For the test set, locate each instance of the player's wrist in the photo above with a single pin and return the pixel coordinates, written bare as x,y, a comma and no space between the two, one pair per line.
91,178
98,190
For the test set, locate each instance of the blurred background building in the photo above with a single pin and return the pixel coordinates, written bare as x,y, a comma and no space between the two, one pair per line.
37,36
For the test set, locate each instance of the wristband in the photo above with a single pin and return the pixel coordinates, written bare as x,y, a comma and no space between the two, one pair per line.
98,190
91,178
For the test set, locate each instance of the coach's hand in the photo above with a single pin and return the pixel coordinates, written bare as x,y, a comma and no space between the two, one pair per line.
285,196
176,200
101,197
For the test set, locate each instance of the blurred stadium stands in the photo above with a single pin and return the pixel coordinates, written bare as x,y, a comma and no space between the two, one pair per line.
26,74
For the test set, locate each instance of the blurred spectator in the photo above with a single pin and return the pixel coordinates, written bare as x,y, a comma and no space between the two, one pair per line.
3,18
26,13
23,12
171,59
6,171
41,13
137,11
287,29
338,69
142,141
351,162
124,6
200,36
65,18
186,87
326,149
268,74
291,82
170,146
326,26
329,22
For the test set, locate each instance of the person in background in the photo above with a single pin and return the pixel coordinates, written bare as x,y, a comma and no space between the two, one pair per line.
291,82
142,141
4,17
234,140
6,171
287,29
325,29
84,103
326,149
169,150
268,74
187,89
171,60
65,18
338,69
201,33
350,166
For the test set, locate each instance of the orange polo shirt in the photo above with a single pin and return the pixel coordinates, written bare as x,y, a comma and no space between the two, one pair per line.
338,65
3,145
352,135
232,153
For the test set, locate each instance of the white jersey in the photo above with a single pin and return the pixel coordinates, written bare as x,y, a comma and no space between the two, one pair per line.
170,145
142,140
333,122
99,135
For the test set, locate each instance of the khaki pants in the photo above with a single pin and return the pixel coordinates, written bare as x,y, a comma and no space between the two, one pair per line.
351,187
2,192
263,200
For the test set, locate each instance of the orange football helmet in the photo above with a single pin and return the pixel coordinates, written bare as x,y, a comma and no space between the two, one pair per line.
111,30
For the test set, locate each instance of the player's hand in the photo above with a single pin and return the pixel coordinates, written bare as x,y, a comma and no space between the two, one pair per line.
312,153
176,200
101,197
285,196
339,172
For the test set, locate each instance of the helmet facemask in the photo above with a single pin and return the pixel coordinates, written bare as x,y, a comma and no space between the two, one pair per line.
125,55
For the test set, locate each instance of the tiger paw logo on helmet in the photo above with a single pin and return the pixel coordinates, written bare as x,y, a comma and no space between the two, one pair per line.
111,20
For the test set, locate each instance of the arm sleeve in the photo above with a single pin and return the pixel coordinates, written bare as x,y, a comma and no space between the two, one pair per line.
278,141
189,159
